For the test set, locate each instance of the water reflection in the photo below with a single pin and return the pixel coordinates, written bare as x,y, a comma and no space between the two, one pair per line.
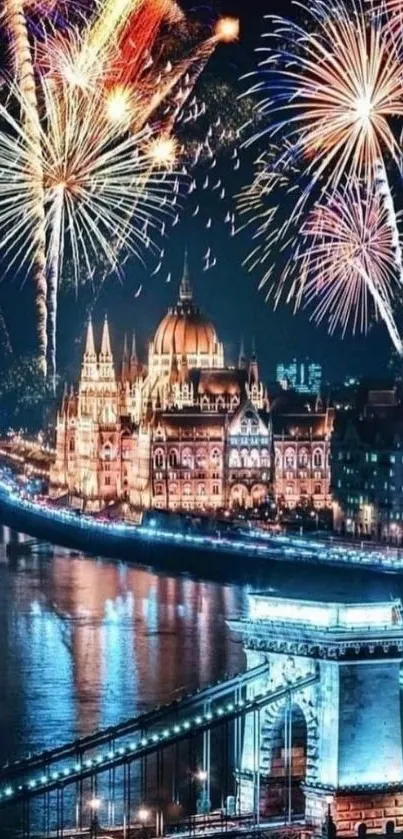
86,643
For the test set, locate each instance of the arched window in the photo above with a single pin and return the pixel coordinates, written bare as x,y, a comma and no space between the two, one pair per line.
173,488
254,459
289,489
278,460
187,489
290,458
244,427
234,459
159,489
187,458
201,458
173,458
265,458
317,459
303,458
245,458
216,458
159,459
72,446
201,489
318,489
107,452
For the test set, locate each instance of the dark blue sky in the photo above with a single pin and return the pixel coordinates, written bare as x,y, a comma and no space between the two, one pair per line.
227,292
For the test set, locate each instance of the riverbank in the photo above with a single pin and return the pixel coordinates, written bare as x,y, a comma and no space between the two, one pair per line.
177,550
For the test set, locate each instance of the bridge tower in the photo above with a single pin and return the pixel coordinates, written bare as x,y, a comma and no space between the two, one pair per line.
337,747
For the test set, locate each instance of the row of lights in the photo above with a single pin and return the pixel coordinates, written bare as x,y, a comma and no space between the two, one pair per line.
167,733
288,544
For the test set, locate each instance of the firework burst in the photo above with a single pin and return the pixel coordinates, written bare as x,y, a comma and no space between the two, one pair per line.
345,264
99,186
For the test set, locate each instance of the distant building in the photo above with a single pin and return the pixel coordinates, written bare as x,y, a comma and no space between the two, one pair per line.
367,468
182,432
302,429
304,377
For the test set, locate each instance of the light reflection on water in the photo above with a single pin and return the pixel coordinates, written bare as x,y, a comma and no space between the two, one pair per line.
87,643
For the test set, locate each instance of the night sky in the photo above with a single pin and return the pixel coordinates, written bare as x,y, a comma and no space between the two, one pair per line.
228,292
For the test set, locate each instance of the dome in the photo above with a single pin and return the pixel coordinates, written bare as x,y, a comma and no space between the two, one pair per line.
185,330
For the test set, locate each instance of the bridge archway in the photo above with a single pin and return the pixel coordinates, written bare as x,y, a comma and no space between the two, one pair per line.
287,738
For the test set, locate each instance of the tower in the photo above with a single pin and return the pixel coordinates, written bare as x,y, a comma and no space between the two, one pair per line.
338,741
106,368
89,367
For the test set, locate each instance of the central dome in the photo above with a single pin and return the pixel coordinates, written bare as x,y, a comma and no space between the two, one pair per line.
184,330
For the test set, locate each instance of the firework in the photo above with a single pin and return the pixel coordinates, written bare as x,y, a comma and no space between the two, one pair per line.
99,189
333,87
345,260
25,77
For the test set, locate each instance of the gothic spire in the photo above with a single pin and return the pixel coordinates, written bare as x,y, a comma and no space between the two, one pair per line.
90,344
242,356
106,343
134,347
185,290
253,366
125,359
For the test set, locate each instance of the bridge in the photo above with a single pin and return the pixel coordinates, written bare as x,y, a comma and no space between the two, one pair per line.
174,770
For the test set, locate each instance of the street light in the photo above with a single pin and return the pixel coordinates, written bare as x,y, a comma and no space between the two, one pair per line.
143,816
94,805
201,775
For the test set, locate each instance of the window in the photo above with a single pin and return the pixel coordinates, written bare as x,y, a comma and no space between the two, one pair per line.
374,457
107,481
234,459
317,459
187,489
303,457
159,459
158,489
107,467
187,458
318,489
290,458
200,458
201,489
107,453
71,445
216,457
254,459
216,489
173,458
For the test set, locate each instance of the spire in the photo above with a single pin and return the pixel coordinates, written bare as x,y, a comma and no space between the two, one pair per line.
90,344
185,290
253,366
125,359
106,344
134,349
242,356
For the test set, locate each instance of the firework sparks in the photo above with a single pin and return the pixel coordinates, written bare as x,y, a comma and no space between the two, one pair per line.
99,189
25,77
333,88
345,259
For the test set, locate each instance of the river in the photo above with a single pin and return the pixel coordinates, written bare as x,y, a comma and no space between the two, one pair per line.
87,642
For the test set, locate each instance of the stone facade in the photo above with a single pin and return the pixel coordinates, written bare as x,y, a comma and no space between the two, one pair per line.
339,740
184,432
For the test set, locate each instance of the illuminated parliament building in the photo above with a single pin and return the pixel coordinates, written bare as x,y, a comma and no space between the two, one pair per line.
182,432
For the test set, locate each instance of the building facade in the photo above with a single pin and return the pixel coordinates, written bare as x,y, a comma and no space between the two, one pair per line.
302,430
367,469
301,376
184,432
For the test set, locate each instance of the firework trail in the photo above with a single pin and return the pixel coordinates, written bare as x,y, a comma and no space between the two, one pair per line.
97,187
346,257
25,78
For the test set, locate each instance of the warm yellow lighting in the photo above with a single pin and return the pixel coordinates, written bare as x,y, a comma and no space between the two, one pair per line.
143,814
119,104
95,803
162,151
227,29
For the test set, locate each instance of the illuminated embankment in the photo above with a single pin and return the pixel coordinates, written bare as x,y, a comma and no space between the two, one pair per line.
147,543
